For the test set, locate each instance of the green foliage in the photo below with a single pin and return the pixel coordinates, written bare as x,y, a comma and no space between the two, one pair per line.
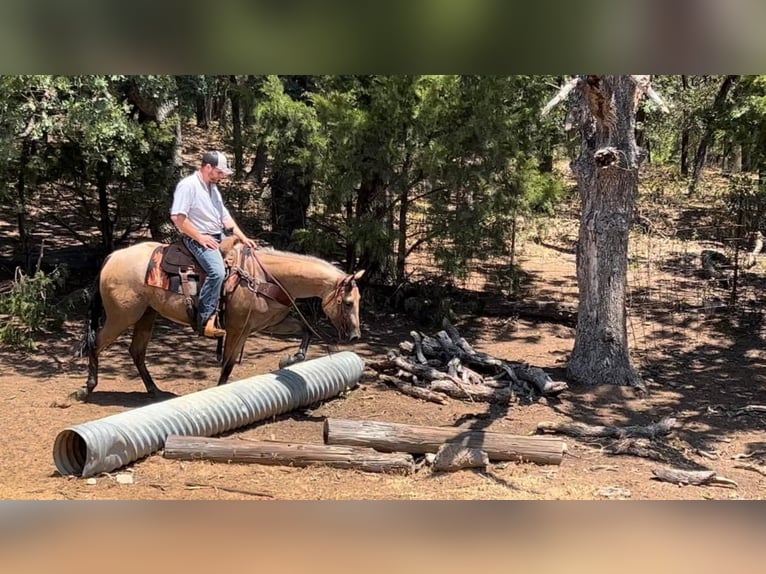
31,308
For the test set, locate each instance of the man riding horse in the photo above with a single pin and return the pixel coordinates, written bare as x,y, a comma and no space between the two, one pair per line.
200,215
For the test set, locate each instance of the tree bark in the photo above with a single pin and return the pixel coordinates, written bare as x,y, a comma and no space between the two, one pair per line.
607,177
684,135
393,437
236,125
285,453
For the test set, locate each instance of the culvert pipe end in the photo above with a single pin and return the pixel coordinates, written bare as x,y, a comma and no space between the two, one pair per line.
106,444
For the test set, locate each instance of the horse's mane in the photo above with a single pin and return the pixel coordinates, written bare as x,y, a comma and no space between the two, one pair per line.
298,256
236,243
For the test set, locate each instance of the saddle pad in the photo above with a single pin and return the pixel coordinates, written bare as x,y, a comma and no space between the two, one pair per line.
155,276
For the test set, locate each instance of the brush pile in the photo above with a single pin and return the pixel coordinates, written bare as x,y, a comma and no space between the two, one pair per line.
446,364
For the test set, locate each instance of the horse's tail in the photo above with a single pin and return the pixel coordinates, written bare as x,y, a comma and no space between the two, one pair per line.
93,321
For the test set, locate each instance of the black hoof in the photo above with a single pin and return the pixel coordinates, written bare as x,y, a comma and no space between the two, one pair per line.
80,395
291,360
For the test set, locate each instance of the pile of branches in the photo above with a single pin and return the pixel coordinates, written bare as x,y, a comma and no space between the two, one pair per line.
446,364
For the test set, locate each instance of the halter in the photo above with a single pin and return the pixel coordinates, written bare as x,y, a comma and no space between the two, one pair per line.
340,289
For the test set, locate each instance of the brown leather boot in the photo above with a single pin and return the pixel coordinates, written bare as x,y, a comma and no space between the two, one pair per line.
211,330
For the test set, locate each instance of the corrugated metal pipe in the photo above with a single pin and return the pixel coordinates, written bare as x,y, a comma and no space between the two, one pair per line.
114,441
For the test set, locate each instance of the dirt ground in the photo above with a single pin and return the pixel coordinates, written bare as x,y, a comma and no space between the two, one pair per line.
701,375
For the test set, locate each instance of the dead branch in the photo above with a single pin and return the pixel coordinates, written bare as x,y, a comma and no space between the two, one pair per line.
651,431
197,486
418,344
742,455
411,390
692,477
640,447
750,409
760,469
643,83
540,379
562,95
424,371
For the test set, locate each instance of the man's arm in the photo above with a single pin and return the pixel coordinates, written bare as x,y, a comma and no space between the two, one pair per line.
229,223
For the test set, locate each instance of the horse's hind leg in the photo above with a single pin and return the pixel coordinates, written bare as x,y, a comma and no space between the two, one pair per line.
105,336
142,333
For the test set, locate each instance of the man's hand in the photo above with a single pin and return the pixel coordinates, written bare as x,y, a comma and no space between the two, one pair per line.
249,242
208,242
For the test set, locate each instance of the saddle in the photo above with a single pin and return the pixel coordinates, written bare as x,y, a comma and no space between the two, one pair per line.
173,267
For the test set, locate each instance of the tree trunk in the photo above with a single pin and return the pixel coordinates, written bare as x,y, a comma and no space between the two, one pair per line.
393,437
607,177
401,251
236,125
719,105
21,208
202,111
685,135
103,176
372,214
735,158
290,200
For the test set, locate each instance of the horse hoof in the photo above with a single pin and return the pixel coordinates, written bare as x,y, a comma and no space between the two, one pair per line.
79,395
291,360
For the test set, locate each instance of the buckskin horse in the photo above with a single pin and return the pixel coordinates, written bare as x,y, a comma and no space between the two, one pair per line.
123,297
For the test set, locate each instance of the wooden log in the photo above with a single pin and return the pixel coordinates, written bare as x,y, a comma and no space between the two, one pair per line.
285,453
693,477
483,393
413,391
394,437
535,375
424,371
452,456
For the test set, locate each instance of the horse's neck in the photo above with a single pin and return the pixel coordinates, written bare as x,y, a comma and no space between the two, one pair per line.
301,277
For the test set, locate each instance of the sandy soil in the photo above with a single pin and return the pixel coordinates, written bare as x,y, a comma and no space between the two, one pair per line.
701,376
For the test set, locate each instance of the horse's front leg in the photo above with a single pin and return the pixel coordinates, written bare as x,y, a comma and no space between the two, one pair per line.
232,347
302,351
291,327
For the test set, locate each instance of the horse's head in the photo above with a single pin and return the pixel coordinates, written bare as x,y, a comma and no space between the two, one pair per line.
342,307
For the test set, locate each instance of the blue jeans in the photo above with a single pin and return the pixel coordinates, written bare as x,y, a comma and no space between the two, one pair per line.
211,261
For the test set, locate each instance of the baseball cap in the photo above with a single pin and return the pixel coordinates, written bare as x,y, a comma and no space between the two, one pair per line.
217,160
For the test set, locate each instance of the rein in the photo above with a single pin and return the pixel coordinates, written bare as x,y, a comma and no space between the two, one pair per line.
273,288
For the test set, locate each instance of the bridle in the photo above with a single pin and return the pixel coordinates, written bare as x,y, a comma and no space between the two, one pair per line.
273,289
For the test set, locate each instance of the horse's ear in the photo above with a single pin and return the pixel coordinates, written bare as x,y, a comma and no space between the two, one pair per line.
358,275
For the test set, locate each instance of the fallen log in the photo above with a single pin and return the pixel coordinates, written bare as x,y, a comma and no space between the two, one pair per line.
473,392
394,437
540,379
692,477
285,453
651,431
545,310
